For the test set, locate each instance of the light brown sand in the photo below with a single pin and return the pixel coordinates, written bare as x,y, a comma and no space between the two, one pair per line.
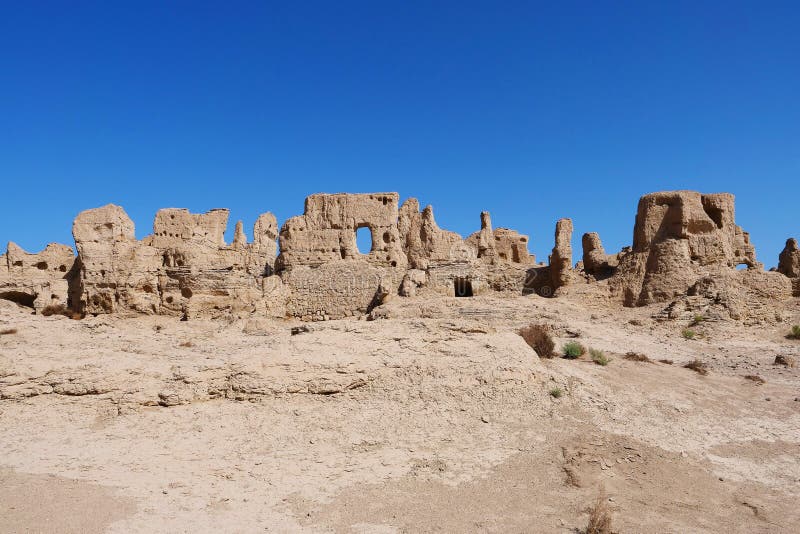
436,419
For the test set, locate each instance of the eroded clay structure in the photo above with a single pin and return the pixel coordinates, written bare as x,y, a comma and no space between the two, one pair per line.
325,275
678,236
37,280
596,262
686,245
183,268
789,264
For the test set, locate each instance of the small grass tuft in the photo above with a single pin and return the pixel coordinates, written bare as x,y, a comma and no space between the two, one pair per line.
556,393
573,349
8,331
697,319
599,357
636,357
755,378
538,337
795,333
688,333
667,362
697,366
599,516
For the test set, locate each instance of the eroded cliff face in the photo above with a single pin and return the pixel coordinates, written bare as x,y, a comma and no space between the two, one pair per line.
686,249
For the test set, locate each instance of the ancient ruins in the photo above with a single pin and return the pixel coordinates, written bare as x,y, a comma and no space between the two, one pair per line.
686,252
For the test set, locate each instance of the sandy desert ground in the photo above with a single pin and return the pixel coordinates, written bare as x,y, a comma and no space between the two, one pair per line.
433,417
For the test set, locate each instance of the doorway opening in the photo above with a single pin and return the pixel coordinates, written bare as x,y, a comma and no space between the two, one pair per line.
462,287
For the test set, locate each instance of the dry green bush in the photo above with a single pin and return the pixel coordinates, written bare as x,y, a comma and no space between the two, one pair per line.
697,319
599,357
539,338
573,349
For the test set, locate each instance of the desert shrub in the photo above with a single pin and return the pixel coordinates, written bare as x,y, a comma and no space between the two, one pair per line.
697,319
556,393
636,357
795,333
8,331
665,361
688,333
54,309
784,359
297,330
697,366
598,357
60,309
538,337
755,378
573,349
599,517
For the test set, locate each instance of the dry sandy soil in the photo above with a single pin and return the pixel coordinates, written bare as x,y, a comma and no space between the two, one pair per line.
435,417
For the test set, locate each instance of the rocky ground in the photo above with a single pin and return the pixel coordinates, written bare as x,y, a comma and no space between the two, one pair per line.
435,416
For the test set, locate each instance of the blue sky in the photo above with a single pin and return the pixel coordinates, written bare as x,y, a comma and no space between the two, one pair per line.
533,111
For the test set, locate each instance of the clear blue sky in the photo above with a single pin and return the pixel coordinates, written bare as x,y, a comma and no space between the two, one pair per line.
530,110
